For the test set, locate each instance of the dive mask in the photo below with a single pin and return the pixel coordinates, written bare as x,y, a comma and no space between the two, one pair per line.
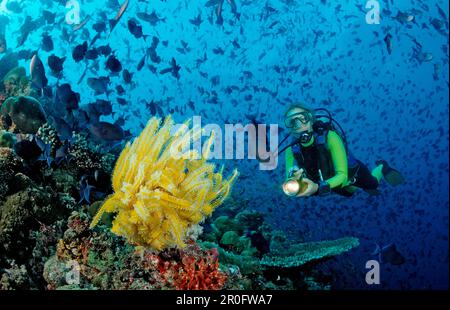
296,120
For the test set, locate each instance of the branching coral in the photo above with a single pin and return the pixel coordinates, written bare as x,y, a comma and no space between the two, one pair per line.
47,133
158,195
189,269
84,157
200,273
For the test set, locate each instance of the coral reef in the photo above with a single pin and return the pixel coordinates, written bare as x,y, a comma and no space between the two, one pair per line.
245,263
15,278
64,181
31,217
35,201
237,252
158,197
158,202
10,164
47,133
107,162
100,256
265,257
106,262
86,157
234,238
224,223
15,83
55,272
24,209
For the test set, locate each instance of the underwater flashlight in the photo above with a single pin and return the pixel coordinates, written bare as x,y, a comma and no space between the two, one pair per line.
291,187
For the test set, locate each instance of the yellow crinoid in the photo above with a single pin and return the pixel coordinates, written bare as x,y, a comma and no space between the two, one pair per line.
161,188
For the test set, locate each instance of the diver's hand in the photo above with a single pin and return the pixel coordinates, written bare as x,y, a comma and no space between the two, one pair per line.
296,173
310,190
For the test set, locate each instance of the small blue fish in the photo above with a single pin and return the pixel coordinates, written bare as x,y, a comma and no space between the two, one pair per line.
85,190
62,155
388,41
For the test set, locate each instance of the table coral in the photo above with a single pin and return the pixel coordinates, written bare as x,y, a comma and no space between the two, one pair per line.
158,196
302,253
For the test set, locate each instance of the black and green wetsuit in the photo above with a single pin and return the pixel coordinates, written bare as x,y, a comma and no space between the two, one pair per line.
330,157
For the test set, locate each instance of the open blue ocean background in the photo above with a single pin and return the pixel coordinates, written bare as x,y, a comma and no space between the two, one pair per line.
322,53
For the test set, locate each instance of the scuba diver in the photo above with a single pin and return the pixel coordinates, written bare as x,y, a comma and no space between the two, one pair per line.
318,162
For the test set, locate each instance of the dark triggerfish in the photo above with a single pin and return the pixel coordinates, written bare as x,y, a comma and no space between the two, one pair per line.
107,132
389,254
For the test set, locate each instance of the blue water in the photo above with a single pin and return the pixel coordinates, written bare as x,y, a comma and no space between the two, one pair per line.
391,106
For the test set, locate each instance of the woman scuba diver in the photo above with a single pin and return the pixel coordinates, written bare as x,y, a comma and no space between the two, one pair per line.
318,162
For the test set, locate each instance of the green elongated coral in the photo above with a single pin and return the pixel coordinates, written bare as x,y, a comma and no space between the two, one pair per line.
160,189
303,253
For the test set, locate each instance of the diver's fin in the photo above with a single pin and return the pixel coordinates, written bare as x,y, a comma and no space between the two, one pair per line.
392,176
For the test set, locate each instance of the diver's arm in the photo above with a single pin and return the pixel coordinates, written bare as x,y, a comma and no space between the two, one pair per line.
290,162
339,158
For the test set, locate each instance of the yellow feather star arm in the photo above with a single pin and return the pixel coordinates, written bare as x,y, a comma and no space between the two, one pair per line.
158,196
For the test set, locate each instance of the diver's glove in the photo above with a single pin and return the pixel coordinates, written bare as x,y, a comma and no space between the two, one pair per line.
295,173
323,188
310,190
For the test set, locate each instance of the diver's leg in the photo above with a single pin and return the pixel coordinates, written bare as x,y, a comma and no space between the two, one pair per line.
365,179
362,178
